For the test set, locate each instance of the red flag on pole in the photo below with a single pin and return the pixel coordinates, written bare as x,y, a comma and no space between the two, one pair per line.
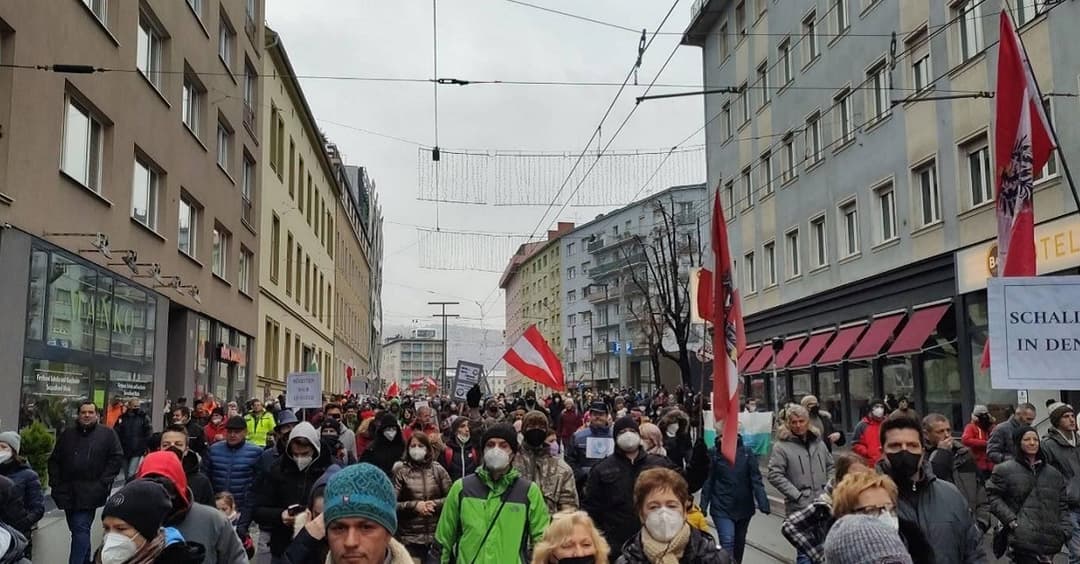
729,340
1023,143
704,293
532,356
393,391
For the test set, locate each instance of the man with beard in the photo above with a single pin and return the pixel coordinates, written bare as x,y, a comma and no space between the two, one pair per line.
591,444
82,467
198,523
174,439
953,462
935,506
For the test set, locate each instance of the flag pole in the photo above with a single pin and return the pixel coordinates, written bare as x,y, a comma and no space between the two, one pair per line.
1053,127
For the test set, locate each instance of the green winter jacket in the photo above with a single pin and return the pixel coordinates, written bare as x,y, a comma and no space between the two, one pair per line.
470,508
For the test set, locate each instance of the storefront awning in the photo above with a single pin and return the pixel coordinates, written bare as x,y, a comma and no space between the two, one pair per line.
840,346
814,345
761,360
918,329
746,357
881,329
791,346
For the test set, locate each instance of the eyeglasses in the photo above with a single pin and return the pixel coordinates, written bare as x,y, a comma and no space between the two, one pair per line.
875,510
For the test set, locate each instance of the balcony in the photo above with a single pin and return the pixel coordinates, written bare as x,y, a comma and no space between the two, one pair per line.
599,294
685,219
595,245
615,265
702,20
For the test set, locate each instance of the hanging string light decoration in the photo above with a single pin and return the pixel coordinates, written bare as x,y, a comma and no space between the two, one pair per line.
462,250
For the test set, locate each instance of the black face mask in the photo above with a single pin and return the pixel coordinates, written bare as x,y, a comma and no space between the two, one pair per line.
984,420
903,465
535,437
578,560
815,410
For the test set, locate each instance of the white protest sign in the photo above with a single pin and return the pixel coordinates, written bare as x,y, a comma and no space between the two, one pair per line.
599,447
1034,332
303,390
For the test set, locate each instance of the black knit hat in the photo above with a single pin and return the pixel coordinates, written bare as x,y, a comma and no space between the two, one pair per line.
142,504
504,431
623,423
235,423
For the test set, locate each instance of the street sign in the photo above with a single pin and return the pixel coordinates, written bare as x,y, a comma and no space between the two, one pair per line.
303,390
466,376
629,348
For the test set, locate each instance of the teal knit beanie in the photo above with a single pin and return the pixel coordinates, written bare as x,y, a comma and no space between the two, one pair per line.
361,490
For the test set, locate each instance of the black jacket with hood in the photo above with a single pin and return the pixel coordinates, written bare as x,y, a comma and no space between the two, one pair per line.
382,452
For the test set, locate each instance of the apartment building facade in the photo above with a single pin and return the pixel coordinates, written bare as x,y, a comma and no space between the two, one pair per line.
299,217
353,324
127,199
411,360
856,179
512,283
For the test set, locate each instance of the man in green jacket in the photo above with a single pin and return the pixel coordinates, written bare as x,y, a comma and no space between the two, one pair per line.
260,424
494,516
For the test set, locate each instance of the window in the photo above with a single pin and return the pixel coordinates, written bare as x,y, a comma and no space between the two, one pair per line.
969,14
1026,12
740,18
571,295
980,185
723,43
289,264
842,103
810,37
878,77
251,84
83,142
840,15
766,172
744,104
770,264
763,82
726,111
219,256
571,273
149,49
886,198
144,194
196,6
918,48
794,266
99,8
247,188
929,196
729,197
819,240
788,74
569,249
247,260
224,145
788,155
188,226
761,6
275,248
307,283
749,273
849,223
571,320
191,104
226,40
747,189
813,138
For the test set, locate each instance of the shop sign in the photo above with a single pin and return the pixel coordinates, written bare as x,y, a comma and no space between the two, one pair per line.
57,383
1034,332
231,355
1057,247
303,390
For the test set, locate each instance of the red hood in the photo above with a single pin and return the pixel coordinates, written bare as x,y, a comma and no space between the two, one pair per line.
166,464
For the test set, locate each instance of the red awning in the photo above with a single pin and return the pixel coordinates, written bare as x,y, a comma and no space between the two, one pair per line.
881,329
746,357
791,346
918,329
813,348
761,360
841,344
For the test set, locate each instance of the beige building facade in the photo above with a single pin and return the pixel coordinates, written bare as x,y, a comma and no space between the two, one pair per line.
353,327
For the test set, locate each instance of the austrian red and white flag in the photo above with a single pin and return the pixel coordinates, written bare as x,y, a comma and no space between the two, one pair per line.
532,356
1023,142
729,339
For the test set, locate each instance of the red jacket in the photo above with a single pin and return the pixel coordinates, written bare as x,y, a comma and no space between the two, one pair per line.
569,423
974,438
866,440
214,433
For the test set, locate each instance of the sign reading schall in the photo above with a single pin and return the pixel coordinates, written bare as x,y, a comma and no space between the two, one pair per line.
1034,332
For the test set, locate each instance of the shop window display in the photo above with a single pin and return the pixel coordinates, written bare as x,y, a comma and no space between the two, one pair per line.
800,386
941,374
830,396
1000,403
861,390
51,392
897,379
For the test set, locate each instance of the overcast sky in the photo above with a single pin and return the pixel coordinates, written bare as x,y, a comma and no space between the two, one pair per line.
478,40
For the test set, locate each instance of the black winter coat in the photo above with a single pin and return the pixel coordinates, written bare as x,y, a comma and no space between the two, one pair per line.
459,461
284,485
196,438
384,453
1066,459
609,494
133,428
202,491
28,488
1033,495
701,549
83,465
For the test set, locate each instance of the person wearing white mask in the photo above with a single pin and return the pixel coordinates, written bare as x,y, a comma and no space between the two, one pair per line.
661,500
609,491
494,516
27,484
133,520
388,445
283,493
421,487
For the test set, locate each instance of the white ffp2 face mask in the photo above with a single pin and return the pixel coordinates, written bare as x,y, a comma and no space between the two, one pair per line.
628,441
418,453
117,548
302,462
664,523
390,434
496,459
672,430
890,519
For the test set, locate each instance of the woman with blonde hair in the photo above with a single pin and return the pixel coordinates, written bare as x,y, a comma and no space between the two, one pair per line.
652,439
874,495
571,538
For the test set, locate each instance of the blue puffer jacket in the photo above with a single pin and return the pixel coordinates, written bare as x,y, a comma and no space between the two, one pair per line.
233,470
732,493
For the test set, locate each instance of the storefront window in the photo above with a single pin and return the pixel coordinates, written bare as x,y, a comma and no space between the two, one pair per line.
941,374
151,328
72,305
240,390
1000,403
759,392
897,379
202,356
129,323
861,389
829,396
800,386
51,392
39,267
103,315
131,385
